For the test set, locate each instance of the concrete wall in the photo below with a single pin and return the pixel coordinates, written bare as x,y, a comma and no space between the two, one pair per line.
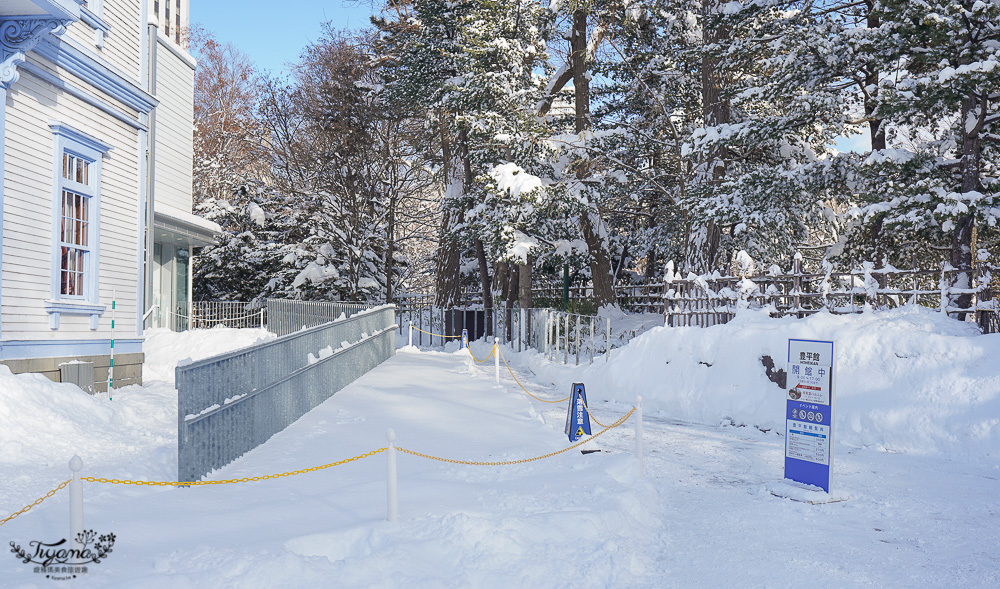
128,368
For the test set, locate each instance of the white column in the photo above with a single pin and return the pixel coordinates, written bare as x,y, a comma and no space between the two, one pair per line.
392,511
75,501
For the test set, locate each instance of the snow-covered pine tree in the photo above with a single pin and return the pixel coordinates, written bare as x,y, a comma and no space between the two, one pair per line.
258,253
943,101
469,66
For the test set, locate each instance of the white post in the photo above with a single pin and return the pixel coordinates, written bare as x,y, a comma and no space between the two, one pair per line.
607,350
520,329
392,512
566,345
411,333
75,501
545,320
496,357
555,357
262,317
592,350
579,319
638,432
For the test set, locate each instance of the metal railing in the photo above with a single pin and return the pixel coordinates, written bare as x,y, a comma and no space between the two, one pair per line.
436,326
229,404
208,314
286,316
570,337
560,336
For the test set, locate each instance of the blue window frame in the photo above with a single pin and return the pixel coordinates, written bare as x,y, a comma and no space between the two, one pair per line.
76,225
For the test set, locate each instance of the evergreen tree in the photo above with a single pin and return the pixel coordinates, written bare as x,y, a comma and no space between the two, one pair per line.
943,104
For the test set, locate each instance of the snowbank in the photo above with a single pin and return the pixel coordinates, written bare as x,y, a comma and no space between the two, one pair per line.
44,423
909,380
165,349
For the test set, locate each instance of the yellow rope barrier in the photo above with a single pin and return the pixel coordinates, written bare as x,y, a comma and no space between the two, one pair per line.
620,421
231,481
563,400
493,351
502,357
435,334
592,416
37,501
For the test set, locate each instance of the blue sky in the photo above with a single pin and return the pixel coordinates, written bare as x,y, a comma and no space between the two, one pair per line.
272,33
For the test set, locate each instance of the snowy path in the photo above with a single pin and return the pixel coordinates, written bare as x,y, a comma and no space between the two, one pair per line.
702,516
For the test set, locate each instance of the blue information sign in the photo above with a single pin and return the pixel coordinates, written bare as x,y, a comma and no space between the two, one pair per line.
577,418
809,412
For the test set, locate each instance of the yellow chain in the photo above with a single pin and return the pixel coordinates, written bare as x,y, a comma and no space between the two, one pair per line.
526,390
592,416
484,359
563,400
436,334
27,508
617,423
620,421
231,481
37,501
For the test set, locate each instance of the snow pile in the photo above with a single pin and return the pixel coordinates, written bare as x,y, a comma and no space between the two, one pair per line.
42,422
165,349
908,380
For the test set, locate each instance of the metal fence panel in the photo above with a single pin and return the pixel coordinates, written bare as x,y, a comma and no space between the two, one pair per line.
229,404
560,336
286,316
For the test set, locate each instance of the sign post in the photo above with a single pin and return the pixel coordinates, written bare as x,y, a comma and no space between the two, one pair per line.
809,412
577,418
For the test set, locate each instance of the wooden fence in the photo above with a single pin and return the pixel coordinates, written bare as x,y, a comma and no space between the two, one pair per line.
714,299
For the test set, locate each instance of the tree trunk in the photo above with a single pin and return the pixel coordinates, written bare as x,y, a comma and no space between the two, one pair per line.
390,233
523,290
509,294
961,243
524,285
501,279
484,275
447,276
871,81
703,248
590,222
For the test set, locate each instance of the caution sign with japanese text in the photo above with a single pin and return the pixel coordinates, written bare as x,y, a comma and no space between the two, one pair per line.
577,418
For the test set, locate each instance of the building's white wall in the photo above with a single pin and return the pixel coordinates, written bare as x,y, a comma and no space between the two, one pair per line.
28,211
121,46
174,130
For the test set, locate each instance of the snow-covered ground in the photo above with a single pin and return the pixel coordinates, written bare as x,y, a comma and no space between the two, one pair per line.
918,421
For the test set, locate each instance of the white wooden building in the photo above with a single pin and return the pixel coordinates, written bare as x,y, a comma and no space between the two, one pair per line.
96,109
